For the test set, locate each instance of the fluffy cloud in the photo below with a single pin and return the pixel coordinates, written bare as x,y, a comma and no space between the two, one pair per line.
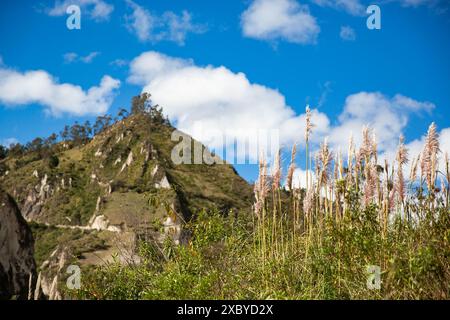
216,98
279,20
353,7
388,118
71,57
347,33
119,62
97,10
18,88
169,26
89,57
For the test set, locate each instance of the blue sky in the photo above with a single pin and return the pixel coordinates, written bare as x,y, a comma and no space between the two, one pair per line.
269,61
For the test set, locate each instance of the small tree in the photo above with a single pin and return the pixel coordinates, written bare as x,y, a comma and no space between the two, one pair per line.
51,140
36,145
65,134
78,134
16,150
101,123
52,161
123,113
3,152
88,128
141,103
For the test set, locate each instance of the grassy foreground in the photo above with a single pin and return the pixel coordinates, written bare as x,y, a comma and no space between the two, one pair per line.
313,243
224,261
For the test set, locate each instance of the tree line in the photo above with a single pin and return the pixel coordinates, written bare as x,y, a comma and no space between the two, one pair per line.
81,133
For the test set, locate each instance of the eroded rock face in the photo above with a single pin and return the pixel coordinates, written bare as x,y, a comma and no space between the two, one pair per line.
16,251
36,198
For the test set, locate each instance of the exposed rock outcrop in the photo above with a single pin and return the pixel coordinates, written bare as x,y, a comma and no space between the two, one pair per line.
51,269
36,198
102,223
128,162
17,263
163,183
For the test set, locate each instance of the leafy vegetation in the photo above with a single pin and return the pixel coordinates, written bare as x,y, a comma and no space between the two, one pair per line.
48,238
225,260
313,243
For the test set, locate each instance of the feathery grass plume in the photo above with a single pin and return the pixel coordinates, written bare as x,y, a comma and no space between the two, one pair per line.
392,199
375,147
325,158
350,156
375,173
402,159
309,124
308,202
308,130
350,152
413,172
447,175
386,204
276,175
428,156
447,169
339,166
366,145
358,163
261,188
368,156
291,168
370,185
443,188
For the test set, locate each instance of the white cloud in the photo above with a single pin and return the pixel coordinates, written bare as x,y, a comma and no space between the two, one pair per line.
17,88
140,21
299,178
8,141
353,7
347,33
90,57
71,57
169,26
417,3
438,7
119,62
326,89
279,20
97,10
217,99
388,118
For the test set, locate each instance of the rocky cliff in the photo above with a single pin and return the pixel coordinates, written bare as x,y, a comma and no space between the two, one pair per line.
17,265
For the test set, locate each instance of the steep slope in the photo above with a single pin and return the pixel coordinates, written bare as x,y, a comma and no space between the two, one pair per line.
119,187
16,251
131,157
